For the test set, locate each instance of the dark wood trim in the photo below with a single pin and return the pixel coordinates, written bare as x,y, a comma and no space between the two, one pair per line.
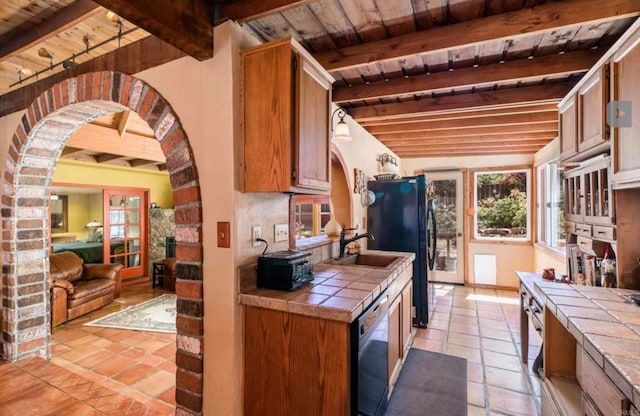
28,34
512,26
185,24
130,59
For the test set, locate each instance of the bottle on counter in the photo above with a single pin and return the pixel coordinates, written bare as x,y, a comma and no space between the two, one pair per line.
608,267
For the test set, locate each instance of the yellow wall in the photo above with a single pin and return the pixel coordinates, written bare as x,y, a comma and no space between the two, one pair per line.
70,171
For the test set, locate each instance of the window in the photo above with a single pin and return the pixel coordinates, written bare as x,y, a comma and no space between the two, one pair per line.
551,228
502,205
311,215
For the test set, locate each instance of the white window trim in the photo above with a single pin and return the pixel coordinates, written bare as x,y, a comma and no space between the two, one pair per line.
526,238
551,175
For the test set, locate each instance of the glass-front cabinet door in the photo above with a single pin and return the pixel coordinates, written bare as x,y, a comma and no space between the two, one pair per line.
125,225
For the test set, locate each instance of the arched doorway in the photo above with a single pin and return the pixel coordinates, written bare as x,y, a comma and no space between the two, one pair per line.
35,148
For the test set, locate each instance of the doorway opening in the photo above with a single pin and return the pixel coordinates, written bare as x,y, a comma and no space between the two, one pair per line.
36,147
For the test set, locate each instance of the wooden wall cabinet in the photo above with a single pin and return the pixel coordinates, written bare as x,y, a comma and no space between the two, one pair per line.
593,97
287,98
588,197
568,129
626,88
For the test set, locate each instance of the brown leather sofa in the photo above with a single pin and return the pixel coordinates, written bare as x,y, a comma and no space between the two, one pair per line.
80,288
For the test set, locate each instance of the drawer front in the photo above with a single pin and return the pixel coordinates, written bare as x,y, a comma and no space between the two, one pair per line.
605,233
600,389
587,407
571,227
583,230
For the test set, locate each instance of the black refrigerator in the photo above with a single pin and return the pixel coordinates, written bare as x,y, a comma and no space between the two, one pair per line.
402,218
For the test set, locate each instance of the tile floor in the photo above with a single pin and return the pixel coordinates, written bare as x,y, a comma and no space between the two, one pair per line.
483,326
98,371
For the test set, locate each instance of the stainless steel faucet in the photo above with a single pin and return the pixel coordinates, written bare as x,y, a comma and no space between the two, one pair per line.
344,241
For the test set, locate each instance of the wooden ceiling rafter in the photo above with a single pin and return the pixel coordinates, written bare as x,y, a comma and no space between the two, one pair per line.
490,142
551,127
521,70
123,122
462,114
27,35
185,24
505,26
108,157
476,152
538,94
492,121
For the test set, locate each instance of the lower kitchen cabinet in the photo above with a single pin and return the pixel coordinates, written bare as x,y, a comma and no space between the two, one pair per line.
400,330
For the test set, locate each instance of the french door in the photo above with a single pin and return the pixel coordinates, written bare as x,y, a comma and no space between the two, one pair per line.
448,193
125,230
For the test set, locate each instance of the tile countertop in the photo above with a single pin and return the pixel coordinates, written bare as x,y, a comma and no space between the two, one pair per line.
606,324
338,292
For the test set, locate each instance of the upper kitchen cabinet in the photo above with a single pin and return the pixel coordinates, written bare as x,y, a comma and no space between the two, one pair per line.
592,100
287,98
626,114
568,129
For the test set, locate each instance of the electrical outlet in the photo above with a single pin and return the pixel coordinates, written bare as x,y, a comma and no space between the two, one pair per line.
281,232
256,232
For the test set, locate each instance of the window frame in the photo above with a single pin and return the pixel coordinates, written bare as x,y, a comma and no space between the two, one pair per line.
549,186
475,237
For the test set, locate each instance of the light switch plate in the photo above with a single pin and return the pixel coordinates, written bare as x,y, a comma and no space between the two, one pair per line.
281,232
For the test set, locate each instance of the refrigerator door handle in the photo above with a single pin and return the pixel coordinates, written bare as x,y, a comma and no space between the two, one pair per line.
431,235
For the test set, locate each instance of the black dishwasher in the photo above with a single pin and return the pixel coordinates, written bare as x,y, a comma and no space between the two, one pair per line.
370,359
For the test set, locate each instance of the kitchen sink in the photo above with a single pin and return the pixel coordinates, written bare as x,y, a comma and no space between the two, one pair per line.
368,260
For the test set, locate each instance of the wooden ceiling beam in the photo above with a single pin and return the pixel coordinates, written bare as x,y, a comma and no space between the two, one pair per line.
125,116
538,94
136,163
243,10
27,35
491,141
471,132
522,70
476,122
68,150
512,25
185,24
543,135
453,153
470,146
463,115
107,157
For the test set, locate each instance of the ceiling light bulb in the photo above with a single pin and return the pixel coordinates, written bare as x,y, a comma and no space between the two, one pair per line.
114,18
44,53
341,132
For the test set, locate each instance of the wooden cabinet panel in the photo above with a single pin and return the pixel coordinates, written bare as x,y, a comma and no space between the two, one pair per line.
286,99
588,195
593,98
407,316
626,78
547,404
395,342
587,407
568,114
600,389
312,164
295,364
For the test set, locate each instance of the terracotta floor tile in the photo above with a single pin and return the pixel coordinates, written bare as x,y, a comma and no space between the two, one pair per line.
492,323
156,383
168,351
428,345
511,380
504,347
476,411
464,310
475,372
464,320
161,407
463,339
439,324
464,329
111,367
168,396
132,352
511,402
136,395
475,394
471,354
495,334
504,361
134,374
169,365
432,334
151,360
97,358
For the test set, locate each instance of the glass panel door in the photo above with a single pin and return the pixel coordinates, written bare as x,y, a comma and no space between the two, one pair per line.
125,211
447,189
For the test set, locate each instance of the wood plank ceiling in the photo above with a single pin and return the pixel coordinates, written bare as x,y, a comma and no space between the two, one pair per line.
426,77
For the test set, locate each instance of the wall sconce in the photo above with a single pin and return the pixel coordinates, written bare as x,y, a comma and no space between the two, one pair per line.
341,131
44,53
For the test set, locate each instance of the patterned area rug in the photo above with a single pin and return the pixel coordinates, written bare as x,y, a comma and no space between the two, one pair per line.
158,315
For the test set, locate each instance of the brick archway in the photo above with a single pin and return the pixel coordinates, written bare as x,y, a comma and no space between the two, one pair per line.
33,152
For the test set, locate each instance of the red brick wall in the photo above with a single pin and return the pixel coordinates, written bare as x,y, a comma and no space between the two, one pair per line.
37,143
